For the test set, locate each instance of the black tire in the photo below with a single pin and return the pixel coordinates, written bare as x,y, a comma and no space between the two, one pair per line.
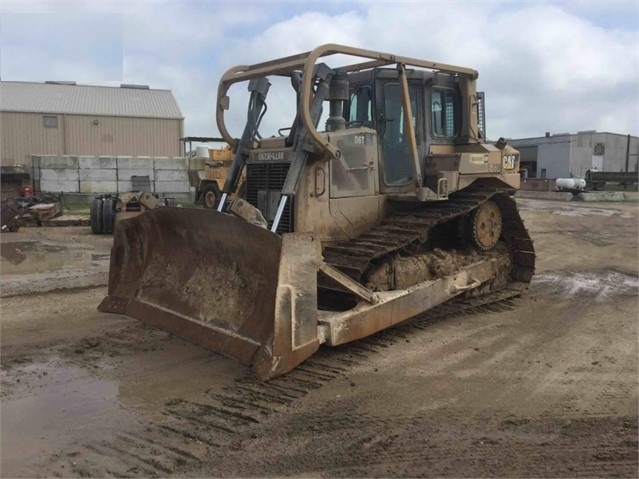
210,196
96,216
108,215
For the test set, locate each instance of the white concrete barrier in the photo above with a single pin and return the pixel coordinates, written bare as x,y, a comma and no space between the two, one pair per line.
135,162
172,186
124,175
97,162
171,175
601,196
59,186
63,174
545,195
88,174
110,174
98,186
175,163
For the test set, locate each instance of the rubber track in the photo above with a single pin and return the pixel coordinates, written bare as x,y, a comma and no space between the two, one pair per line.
403,231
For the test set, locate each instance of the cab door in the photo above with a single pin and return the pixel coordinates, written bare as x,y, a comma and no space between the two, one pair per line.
396,173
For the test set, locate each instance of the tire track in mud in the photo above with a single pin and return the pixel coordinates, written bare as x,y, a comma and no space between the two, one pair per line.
190,433
359,445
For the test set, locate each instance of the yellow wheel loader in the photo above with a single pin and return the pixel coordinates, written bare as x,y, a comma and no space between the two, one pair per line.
216,165
396,205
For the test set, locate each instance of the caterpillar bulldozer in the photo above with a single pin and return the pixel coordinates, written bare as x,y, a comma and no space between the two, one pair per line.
398,204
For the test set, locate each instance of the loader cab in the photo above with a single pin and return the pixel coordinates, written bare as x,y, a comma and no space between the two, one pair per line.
376,102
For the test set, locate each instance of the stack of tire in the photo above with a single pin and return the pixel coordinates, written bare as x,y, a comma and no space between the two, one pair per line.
103,215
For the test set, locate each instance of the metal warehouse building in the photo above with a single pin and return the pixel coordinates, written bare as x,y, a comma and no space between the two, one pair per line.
568,155
62,118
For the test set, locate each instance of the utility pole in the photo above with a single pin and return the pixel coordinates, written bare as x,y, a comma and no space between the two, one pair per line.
627,152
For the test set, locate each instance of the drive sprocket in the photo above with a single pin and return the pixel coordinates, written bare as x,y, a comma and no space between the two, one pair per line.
486,225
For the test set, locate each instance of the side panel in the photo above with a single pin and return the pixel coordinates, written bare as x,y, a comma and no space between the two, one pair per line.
339,199
468,163
354,173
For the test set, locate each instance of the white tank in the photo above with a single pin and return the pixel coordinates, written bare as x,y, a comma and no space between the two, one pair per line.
202,151
580,183
570,184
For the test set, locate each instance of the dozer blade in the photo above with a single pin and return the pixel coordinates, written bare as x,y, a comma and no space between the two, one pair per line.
220,282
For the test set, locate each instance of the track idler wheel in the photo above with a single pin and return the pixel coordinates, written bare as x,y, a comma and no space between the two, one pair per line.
486,225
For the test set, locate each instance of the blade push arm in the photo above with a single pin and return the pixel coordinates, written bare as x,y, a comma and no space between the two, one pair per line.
257,106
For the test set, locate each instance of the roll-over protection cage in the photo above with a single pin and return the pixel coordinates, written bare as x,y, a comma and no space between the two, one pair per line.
305,62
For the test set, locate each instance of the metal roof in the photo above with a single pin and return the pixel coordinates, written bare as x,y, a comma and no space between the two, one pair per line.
128,100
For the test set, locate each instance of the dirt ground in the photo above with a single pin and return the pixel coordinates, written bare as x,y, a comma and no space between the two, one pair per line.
540,386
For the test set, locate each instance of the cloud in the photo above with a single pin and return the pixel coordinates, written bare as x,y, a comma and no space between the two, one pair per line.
545,66
54,46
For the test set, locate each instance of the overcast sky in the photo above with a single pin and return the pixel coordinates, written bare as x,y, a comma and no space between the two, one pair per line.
545,66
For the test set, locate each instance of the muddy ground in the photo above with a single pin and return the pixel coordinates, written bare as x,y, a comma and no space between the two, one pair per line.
542,386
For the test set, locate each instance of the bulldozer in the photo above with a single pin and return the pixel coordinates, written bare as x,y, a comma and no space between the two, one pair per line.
395,205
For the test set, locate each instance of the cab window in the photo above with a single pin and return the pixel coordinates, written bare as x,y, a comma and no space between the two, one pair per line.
445,112
361,107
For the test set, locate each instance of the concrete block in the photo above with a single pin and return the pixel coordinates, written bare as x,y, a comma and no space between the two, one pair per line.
59,162
127,185
126,174
59,174
175,163
98,162
171,175
98,175
53,186
631,195
197,163
601,196
172,187
135,162
35,172
98,186
545,195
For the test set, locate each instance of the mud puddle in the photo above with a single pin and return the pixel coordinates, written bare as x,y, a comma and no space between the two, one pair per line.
601,286
69,404
35,266
29,257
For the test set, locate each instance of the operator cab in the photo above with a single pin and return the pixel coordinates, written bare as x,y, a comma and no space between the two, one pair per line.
376,102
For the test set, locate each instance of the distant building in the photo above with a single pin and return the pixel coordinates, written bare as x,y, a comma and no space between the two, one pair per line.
567,155
62,118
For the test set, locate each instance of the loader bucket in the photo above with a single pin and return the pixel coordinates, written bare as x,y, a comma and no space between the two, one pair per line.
215,280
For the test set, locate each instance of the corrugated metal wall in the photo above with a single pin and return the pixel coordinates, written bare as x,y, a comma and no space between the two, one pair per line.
24,135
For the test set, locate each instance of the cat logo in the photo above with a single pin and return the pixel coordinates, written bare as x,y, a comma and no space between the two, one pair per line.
509,162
